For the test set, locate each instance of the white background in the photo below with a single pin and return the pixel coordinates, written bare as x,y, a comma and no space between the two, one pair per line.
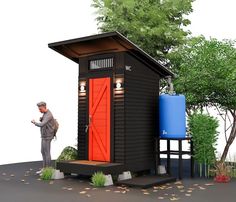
31,72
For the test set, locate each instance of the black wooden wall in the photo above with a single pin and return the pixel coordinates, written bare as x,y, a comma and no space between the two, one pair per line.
141,95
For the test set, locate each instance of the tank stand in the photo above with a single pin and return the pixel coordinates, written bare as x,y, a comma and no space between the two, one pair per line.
178,152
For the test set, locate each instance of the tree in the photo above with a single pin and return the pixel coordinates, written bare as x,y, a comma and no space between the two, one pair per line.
206,72
155,25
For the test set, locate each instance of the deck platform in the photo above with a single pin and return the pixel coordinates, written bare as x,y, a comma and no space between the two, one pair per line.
85,167
147,181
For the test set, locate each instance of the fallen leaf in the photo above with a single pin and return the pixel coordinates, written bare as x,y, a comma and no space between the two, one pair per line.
87,188
191,188
209,184
155,190
202,188
178,182
174,199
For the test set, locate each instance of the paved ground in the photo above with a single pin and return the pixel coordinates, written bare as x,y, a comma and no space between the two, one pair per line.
18,183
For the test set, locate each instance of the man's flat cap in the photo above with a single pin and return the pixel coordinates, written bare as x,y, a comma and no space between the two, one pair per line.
41,104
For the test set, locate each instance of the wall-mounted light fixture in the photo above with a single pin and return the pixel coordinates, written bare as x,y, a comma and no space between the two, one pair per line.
118,85
82,87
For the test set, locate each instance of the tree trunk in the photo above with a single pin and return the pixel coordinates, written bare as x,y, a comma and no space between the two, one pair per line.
229,141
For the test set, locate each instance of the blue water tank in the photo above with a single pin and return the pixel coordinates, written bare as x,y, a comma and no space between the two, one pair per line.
172,116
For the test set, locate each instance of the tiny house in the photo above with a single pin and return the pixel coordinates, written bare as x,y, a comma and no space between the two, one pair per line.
118,93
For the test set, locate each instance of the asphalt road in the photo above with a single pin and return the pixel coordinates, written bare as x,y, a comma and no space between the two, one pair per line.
18,183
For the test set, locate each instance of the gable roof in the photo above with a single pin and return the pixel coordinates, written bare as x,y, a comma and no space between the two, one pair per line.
106,43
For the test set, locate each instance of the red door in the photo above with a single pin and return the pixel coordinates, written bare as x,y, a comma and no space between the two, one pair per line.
99,119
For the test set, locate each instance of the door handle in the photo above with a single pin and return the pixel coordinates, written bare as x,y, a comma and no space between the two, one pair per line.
87,126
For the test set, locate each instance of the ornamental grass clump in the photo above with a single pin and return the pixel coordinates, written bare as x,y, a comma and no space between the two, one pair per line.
47,173
98,179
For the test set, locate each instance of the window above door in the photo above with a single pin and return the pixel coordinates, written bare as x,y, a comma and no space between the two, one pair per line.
101,63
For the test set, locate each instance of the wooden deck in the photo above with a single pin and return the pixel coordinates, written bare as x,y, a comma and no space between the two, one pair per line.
85,167
147,181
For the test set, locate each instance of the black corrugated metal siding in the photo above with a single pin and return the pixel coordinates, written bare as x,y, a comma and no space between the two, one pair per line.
141,93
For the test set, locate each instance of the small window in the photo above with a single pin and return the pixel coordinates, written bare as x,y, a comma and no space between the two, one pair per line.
101,63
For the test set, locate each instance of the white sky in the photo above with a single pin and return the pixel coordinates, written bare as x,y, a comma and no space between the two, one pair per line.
31,72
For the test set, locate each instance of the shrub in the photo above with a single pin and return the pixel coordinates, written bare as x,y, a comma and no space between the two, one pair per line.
98,179
47,173
203,129
68,153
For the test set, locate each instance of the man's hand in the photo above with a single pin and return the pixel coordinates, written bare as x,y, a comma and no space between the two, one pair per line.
33,121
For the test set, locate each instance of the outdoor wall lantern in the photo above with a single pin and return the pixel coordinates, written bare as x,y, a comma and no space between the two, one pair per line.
118,85
82,88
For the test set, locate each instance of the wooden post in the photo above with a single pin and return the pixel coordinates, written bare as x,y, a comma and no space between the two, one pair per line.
180,159
168,157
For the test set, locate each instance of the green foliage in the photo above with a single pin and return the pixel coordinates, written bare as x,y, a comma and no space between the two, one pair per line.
47,173
206,72
68,153
203,129
98,179
155,25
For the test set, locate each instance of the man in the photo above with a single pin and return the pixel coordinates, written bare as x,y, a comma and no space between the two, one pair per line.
46,125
